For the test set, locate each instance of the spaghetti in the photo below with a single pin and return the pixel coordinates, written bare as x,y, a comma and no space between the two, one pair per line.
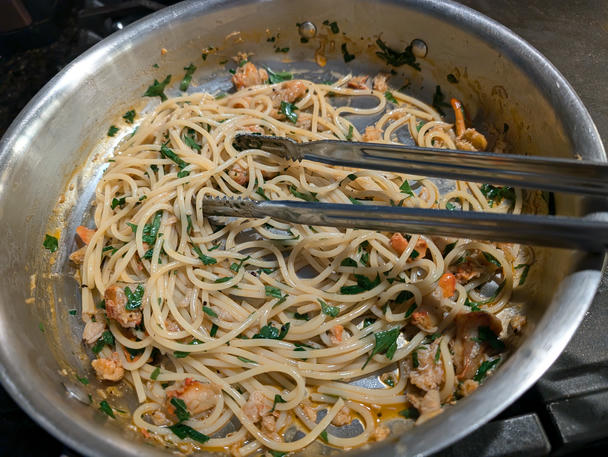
213,320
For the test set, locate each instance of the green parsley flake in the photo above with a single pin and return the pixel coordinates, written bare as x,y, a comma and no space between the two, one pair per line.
157,89
112,130
181,411
129,116
155,373
288,109
348,262
51,243
390,97
271,291
209,311
483,369
277,399
309,197
183,431
385,343
204,258
106,408
363,284
190,69
134,298
278,77
406,189
168,153
329,310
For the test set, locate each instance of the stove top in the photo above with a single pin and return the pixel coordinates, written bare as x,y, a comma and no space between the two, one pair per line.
566,412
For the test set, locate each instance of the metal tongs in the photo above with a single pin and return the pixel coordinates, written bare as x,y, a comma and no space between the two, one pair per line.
559,175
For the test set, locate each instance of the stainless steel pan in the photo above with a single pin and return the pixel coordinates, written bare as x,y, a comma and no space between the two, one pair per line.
59,139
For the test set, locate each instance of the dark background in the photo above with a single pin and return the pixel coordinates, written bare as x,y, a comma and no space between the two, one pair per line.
566,412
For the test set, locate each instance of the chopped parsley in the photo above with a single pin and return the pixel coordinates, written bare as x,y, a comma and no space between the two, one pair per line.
209,311
277,453
363,284
224,279
483,369
496,194
72,312
404,296
524,273
452,78
415,362
190,69
155,373
365,259
237,266
183,431
213,331
288,109
490,258
410,310
390,97
51,243
329,310
277,399
385,343
168,153
84,380
395,58
439,101
134,298
349,136
113,130
191,142
105,338
347,56
246,360
129,116
157,89
204,258
181,411
118,202
150,231
450,206
486,335
272,333
430,338
261,193
180,354
278,77
406,189
278,49
309,197
106,408
410,413
272,291
323,435
348,262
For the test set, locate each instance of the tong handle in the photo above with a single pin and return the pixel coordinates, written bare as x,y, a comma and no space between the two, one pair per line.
556,231
558,175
